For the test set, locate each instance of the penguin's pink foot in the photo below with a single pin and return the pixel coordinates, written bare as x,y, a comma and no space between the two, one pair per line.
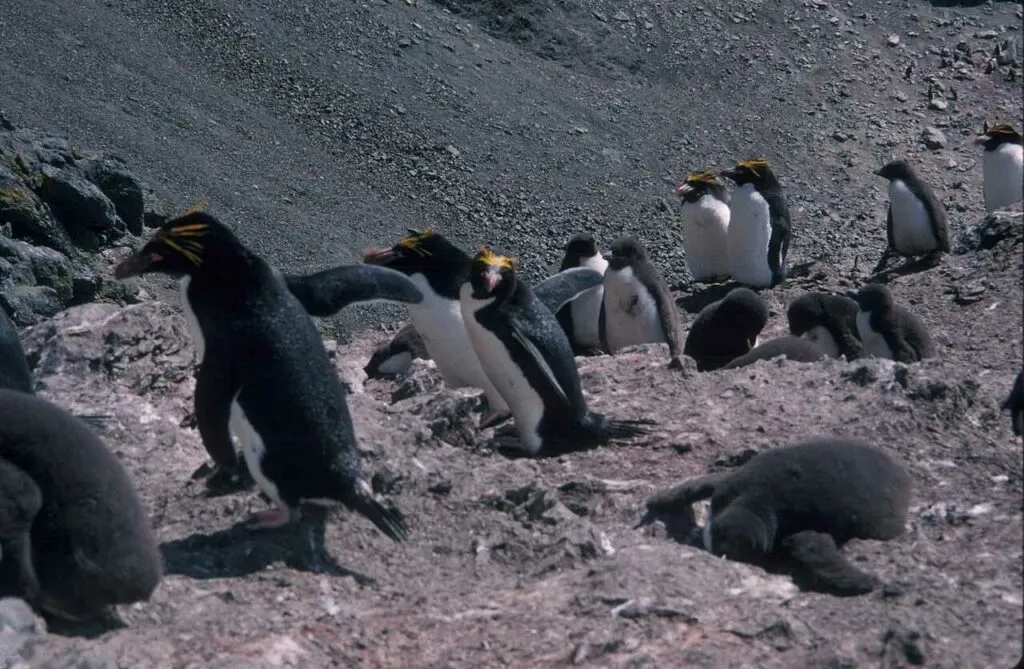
269,520
492,418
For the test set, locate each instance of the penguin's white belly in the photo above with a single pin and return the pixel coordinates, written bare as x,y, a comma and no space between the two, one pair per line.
749,233
253,450
190,319
1003,176
585,310
526,405
911,226
440,324
705,237
874,343
631,314
824,340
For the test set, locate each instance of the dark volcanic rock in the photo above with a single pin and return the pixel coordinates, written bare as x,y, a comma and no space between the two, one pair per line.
86,213
121,188
27,216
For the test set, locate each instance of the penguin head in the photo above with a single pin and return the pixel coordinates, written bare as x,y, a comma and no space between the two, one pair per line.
739,533
874,297
186,245
896,169
625,252
418,252
744,311
993,136
804,313
492,275
699,184
754,171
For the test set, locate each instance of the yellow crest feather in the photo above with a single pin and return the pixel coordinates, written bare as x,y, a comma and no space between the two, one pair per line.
414,241
194,209
702,177
489,257
1000,129
753,164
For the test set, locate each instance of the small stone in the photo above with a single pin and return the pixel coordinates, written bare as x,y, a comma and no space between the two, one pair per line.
938,105
893,40
933,138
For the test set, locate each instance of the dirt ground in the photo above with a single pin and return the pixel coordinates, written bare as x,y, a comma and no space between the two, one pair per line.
536,562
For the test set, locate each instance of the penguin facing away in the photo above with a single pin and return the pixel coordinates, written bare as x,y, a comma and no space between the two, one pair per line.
759,225
797,506
73,534
1002,166
1014,402
830,321
705,213
726,329
637,307
916,221
14,371
526,353
889,330
580,317
265,376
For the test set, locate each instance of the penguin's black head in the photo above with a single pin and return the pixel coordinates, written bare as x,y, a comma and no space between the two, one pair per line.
626,251
492,275
804,313
753,171
992,137
896,169
184,245
581,245
744,310
874,297
419,252
699,184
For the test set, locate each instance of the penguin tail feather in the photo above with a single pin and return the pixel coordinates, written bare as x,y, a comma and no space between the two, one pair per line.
388,520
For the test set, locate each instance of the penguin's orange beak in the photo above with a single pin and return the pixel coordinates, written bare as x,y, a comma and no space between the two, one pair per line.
135,264
493,277
378,256
684,189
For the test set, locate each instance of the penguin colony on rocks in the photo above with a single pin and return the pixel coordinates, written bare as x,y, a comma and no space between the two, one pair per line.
272,412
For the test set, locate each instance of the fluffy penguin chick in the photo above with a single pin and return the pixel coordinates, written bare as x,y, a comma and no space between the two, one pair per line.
889,330
916,222
528,357
638,307
759,225
580,317
705,213
800,504
726,329
72,529
265,373
1002,166
829,321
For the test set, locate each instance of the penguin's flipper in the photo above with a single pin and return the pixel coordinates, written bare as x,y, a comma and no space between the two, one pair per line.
555,291
778,243
327,292
824,566
217,384
542,363
668,314
685,493
388,520
936,215
602,325
20,502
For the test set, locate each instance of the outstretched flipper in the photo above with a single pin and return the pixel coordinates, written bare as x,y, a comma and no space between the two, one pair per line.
327,292
824,567
388,521
680,496
559,289
20,502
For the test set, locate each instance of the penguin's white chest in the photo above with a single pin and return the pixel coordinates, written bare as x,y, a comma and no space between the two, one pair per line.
586,308
630,312
911,226
749,233
508,378
705,237
824,340
874,343
253,450
1003,176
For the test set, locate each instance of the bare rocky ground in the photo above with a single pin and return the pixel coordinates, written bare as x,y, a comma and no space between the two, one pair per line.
320,129
525,563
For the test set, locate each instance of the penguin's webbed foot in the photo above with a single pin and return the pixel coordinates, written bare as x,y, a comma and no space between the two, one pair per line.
224,480
270,519
492,418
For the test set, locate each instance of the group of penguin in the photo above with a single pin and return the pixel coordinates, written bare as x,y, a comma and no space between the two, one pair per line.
271,410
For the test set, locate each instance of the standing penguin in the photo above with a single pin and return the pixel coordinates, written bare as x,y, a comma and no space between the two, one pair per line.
1002,166
14,371
759,225
726,329
637,307
916,222
528,357
74,537
1014,402
265,376
830,321
889,330
580,317
705,213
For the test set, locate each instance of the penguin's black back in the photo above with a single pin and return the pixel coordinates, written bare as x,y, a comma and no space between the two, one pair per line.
290,392
793,348
92,539
726,329
842,487
14,371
